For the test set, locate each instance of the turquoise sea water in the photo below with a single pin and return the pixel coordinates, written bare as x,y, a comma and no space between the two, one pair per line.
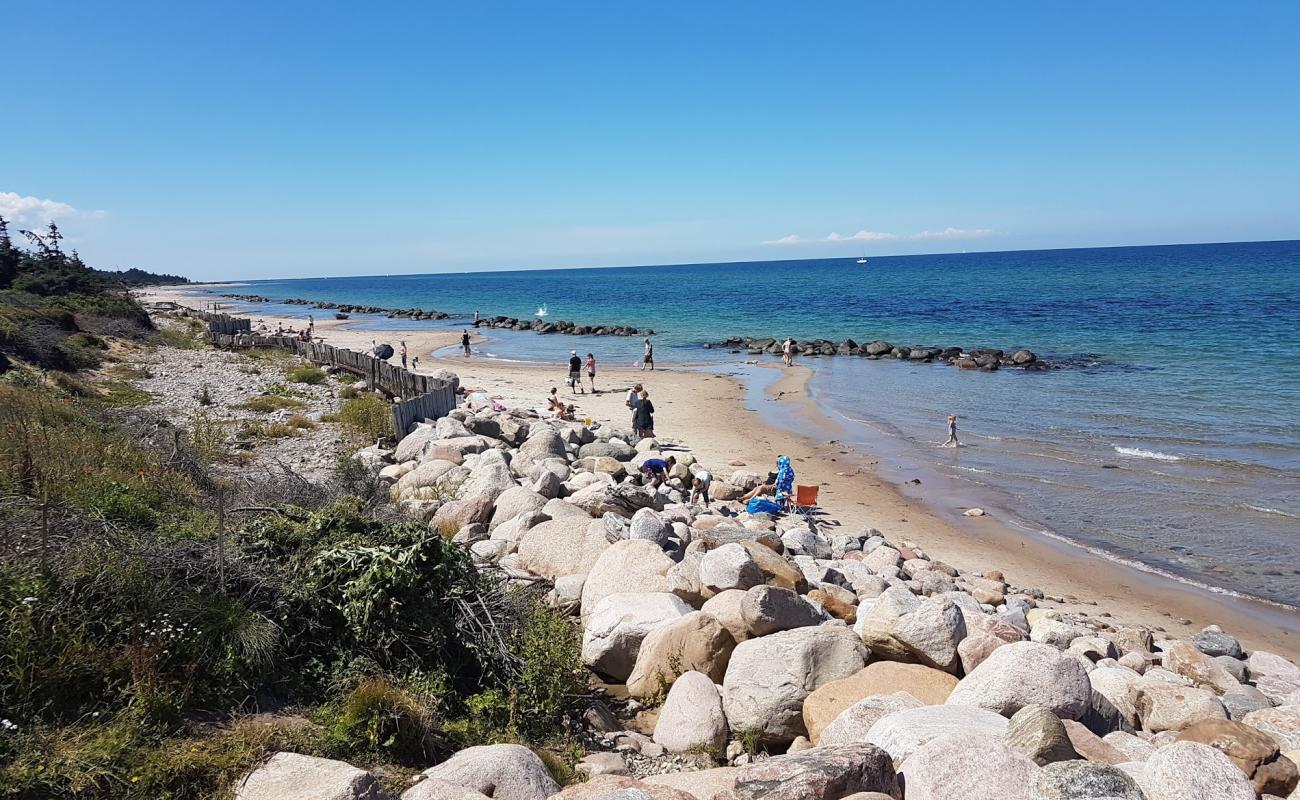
1172,441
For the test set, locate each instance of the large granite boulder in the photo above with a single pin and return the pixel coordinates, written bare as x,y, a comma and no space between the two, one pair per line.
618,787
290,776
562,546
437,789
695,642
1253,751
768,609
1165,706
729,567
823,773
902,732
632,565
1193,771
725,607
1039,735
1281,723
515,501
855,722
498,770
542,443
1083,780
966,766
1273,675
929,686
769,678
692,716
704,784
619,623
932,633
1026,673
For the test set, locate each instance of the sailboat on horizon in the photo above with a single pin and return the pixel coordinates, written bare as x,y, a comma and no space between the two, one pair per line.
863,260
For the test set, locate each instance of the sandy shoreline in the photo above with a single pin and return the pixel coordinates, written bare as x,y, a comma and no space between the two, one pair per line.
706,409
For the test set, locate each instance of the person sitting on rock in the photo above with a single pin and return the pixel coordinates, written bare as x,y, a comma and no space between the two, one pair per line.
656,469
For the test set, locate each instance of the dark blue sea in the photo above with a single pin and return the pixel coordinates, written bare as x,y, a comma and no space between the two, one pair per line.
1171,440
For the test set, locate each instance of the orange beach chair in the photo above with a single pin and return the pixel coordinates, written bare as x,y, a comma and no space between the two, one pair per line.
805,497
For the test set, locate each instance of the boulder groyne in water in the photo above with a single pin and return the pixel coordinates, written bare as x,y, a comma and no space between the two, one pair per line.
540,325
346,308
986,359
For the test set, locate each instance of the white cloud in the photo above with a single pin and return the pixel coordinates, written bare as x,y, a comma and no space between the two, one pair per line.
877,236
861,236
953,233
35,212
791,239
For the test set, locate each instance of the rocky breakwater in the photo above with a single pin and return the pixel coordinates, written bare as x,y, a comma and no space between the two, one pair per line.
347,308
560,326
986,359
790,661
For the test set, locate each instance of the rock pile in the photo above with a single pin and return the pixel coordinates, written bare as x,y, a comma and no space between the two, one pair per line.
865,667
986,359
560,326
347,308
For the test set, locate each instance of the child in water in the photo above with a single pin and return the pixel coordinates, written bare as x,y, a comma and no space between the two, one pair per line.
952,432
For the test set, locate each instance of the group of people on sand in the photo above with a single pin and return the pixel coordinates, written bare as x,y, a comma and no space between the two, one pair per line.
576,368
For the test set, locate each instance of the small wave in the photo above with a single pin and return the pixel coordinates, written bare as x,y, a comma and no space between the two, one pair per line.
1138,452
541,311
1277,511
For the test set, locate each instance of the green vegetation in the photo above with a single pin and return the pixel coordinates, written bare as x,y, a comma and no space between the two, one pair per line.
267,403
54,310
306,373
366,418
141,616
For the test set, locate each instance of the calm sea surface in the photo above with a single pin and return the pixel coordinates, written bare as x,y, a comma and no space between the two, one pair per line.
1173,442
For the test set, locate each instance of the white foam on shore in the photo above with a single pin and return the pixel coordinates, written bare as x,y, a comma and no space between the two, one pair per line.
1277,511
1140,566
1138,452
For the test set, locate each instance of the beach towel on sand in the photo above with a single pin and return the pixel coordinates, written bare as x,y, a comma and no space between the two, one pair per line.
761,505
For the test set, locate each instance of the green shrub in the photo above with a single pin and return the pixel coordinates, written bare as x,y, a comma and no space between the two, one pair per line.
306,373
267,403
301,422
367,418
381,717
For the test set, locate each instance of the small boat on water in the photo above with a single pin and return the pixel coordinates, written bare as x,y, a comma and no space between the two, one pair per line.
340,315
862,260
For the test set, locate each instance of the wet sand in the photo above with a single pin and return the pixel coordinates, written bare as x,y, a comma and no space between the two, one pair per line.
712,412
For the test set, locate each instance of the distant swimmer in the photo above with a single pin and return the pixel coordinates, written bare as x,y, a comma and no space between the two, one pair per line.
952,432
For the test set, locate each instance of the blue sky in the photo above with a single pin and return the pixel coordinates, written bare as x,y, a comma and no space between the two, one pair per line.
244,140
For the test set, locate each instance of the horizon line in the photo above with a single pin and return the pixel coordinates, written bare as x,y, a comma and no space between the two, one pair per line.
749,261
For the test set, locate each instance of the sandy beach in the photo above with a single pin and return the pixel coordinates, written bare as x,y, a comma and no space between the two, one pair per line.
707,411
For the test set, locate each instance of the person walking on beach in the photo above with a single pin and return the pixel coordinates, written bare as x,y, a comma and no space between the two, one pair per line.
649,359
952,432
464,340
591,371
403,351
575,373
787,351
